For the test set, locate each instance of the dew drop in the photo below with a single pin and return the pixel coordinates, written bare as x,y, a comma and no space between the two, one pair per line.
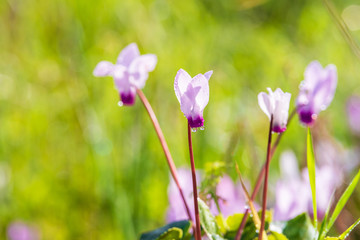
194,129
202,128
120,104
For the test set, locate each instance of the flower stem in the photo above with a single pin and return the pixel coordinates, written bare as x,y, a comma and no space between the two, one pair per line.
260,178
165,147
267,166
197,218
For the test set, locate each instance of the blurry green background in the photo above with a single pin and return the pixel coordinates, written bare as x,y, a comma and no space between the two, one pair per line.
76,166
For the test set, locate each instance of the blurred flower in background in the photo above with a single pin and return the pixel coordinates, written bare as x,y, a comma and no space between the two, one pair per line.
230,196
316,91
130,71
353,113
293,192
21,231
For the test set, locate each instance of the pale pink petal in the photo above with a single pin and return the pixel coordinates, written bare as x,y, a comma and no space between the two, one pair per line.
208,74
128,54
186,105
182,80
265,104
202,98
311,74
140,68
103,68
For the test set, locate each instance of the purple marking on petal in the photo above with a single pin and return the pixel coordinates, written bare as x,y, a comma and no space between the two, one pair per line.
278,129
307,116
196,122
128,98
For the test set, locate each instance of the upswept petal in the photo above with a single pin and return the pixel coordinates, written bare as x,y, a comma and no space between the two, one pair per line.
103,68
182,80
265,104
128,54
140,68
202,98
311,74
143,63
331,79
208,74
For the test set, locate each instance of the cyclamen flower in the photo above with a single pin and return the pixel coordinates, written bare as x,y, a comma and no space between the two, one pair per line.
276,104
21,231
316,91
130,71
293,192
353,112
231,197
193,95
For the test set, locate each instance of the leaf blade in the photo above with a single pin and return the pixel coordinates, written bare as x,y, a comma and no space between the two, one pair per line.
342,201
311,169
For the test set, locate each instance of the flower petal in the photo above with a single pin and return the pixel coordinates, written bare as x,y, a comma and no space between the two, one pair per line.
103,68
265,104
208,74
202,97
128,54
182,80
139,69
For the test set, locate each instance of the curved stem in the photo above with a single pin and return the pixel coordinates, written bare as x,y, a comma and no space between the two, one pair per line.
165,147
267,166
260,178
197,218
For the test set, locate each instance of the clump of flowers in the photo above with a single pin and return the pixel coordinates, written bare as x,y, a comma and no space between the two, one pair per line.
299,196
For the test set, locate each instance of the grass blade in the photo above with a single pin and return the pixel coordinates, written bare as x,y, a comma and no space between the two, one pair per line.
345,234
342,201
311,169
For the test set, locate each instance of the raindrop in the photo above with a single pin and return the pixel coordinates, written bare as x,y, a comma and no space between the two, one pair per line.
202,128
120,104
194,129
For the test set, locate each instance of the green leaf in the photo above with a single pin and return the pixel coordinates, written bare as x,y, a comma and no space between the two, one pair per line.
299,228
311,169
171,228
221,222
233,221
342,201
172,234
345,234
249,232
208,222
277,236
331,238
324,221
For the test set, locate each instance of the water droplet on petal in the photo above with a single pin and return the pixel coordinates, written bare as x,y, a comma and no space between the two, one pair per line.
194,129
120,104
323,107
202,128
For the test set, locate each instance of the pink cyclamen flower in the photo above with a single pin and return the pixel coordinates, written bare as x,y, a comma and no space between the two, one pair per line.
21,231
193,95
316,91
130,71
353,112
231,197
276,104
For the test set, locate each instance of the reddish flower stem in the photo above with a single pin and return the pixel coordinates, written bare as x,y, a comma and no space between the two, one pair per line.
164,145
260,178
267,167
197,218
